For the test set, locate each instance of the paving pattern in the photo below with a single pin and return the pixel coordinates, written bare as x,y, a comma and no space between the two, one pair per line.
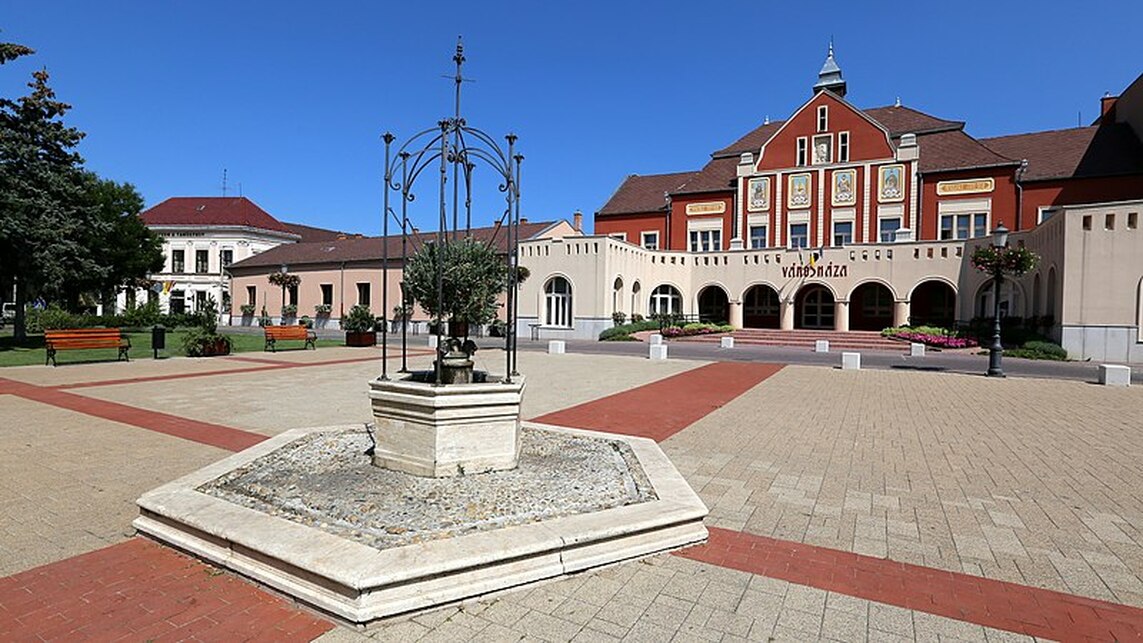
969,508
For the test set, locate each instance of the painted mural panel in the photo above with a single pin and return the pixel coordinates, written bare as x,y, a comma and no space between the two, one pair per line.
844,192
891,183
758,189
799,191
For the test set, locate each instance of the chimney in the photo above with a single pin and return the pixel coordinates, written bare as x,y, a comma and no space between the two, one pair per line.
577,221
523,220
1107,105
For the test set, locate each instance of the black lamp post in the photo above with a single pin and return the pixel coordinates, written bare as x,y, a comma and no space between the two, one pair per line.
996,351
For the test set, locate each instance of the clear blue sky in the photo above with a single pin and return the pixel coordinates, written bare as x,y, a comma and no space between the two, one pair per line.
291,97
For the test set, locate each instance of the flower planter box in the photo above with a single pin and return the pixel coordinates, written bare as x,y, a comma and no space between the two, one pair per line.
366,338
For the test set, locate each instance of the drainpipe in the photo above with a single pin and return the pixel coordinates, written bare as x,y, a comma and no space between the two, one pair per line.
666,245
920,207
1020,194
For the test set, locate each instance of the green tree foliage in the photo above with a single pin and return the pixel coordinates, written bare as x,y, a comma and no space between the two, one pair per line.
473,275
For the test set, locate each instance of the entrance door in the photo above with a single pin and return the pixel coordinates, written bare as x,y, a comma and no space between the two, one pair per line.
816,309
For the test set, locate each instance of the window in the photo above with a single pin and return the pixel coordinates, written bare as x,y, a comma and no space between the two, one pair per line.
823,118
558,302
201,261
842,233
799,235
651,240
888,228
227,257
1044,213
177,304
665,300
1087,222
1132,220
622,236
802,143
200,299
843,147
251,295
178,261
823,149
706,240
363,294
761,301
1109,222
964,226
757,237
293,295
327,294
876,302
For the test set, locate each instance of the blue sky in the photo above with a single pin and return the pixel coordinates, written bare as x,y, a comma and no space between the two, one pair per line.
291,97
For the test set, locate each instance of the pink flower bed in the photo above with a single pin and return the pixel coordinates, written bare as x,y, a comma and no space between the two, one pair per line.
940,341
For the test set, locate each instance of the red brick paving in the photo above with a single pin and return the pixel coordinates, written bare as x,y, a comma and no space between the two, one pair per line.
215,435
991,603
139,590
661,409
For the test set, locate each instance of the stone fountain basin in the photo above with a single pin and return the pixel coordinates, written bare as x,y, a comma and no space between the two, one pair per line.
358,583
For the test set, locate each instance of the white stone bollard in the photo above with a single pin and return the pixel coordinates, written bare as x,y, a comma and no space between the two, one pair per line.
916,349
432,341
851,361
658,351
655,339
821,346
1114,375
726,342
556,347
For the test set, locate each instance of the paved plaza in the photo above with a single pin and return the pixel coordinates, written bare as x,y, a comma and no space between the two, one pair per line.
873,505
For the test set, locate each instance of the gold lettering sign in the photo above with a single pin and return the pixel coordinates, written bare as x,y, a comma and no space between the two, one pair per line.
971,186
708,207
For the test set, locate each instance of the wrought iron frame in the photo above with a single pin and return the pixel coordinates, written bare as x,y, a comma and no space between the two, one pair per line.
451,144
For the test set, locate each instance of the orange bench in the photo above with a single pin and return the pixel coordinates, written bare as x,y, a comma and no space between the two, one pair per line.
84,338
274,334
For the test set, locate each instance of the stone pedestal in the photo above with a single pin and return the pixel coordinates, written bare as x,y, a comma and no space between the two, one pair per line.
851,361
441,431
432,341
821,346
655,339
1114,375
658,351
726,342
916,349
556,347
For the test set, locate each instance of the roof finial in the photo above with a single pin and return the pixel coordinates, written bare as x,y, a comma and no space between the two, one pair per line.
830,75
767,121
897,103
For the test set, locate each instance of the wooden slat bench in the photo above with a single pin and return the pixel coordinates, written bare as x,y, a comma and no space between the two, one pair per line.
274,334
84,338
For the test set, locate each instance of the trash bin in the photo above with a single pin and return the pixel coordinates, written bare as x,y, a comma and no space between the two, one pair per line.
158,339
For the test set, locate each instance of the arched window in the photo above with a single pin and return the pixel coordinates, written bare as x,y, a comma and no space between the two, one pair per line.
665,300
558,302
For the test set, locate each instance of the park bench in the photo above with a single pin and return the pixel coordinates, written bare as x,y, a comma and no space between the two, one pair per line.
274,334
84,338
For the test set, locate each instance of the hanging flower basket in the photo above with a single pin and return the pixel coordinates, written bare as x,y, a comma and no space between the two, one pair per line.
1008,260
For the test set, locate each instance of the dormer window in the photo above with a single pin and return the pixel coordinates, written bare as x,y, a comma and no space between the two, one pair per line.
823,118
803,145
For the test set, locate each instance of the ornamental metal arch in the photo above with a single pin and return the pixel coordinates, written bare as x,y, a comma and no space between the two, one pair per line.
451,145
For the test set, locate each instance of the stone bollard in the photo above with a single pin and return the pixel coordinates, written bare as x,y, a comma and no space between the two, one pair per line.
432,341
851,361
658,351
655,339
821,346
726,342
556,347
916,349
1114,375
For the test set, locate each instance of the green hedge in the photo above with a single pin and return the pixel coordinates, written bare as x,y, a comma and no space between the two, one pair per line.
616,333
1039,350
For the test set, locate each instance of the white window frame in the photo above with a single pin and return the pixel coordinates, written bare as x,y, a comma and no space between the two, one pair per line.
843,147
790,235
558,304
622,236
704,235
833,239
1045,212
828,139
881,231
671,296
823,118
802,160
970,207
644,235
750,228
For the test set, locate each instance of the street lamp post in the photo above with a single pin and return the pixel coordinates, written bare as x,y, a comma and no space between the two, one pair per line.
996,351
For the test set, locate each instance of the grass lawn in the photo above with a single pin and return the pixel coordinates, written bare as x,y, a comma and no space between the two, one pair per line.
32,351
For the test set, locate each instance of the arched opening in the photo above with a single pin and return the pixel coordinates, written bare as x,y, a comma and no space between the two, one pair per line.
635,290
813,308
665,300
870,307
713,305
933,304
1036,298
1050,299
617,295
1010,299
558,303
761,307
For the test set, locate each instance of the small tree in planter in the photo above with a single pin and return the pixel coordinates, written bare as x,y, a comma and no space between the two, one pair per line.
359,325
204,340
321,315
289,312
472,276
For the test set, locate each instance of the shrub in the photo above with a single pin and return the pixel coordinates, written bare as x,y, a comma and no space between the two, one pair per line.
51,318
1039,350
306,321
322,310
141,316
498,328
359,320
627,329
622,337
247,309
619,318
636,318
204,339
930,336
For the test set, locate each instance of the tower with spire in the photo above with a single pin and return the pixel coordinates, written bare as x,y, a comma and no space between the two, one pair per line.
830,75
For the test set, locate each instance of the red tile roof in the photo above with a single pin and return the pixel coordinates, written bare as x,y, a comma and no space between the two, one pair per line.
718,176
1101,150
899,120
640,194
310,233
752,141
353,249
953,150
211,211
